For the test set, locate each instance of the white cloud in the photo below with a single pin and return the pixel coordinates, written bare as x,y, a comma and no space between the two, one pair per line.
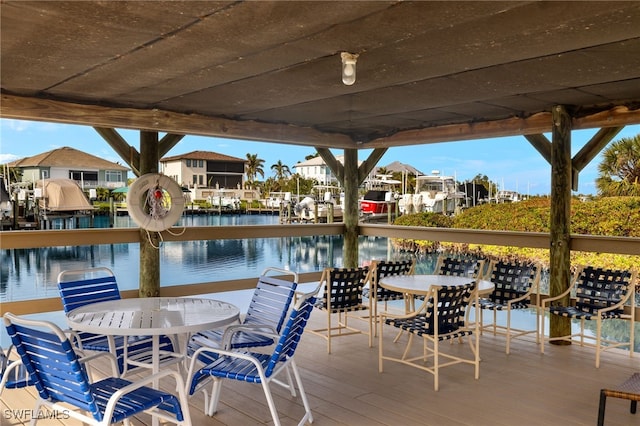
6,158
25,125
16,125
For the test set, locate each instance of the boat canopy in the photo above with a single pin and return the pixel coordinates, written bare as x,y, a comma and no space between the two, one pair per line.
60,195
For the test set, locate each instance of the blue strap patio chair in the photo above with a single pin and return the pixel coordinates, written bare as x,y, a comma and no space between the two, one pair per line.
254,367
600,295
13,374
79,287
267,311
515,288
63,384
443,315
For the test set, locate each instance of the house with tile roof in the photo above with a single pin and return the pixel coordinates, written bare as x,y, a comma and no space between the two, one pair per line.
87,170
204,169
205,172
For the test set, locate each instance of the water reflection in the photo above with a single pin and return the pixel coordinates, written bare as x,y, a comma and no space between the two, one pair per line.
32,273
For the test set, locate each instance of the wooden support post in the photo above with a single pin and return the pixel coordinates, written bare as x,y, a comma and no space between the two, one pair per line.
560,262
350,214
149,241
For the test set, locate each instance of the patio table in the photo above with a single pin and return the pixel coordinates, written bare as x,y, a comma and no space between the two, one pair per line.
420,284
153,316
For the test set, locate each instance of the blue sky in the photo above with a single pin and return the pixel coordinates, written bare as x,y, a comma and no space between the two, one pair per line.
510,162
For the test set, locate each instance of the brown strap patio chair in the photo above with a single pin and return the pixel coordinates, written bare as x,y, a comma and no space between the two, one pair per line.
630,390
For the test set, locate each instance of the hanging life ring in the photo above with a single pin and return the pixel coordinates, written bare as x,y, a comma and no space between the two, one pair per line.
155,202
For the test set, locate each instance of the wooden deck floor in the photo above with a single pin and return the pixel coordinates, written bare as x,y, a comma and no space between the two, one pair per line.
560,387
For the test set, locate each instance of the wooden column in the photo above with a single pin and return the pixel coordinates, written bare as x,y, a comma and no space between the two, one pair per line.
149,241
350,207
560,263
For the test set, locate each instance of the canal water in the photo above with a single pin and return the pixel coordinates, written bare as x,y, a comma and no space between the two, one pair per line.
27,274
32,273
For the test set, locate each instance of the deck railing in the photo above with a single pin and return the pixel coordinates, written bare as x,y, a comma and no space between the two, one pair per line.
81,237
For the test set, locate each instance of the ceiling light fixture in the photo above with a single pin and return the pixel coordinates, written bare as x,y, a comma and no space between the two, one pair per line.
349,67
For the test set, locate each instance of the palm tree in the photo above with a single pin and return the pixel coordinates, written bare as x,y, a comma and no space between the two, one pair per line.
253,168
620,169
382,171
281,170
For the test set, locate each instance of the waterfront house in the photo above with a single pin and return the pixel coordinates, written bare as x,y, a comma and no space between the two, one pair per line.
316,168
202,171
89,171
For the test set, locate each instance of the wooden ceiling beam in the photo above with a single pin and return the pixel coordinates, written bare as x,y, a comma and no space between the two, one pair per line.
127,152
31,108
590,150
536,124
53,111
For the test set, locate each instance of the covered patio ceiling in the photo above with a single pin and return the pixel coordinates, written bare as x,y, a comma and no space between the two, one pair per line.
270,70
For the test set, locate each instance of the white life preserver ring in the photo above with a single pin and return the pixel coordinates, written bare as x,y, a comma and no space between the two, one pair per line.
155,202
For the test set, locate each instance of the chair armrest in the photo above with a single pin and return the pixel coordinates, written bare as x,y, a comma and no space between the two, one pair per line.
222,352
630,293
560,296
253,328
422,308
532,290
113,400
112,359
74,338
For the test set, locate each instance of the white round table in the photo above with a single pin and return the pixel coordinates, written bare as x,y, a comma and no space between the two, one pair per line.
419,284
153,316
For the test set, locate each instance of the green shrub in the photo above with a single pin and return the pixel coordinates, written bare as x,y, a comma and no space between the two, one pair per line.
611,216
433,220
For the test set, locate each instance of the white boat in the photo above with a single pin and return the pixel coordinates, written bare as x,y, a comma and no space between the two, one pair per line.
434,193
323,206
507,196
224,199
6,205
62,196
276,199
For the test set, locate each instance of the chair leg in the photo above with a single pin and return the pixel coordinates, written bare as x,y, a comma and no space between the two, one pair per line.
36,409
371,330
292,388
601,408
436,364
541,318
537,328
598,340
307,415
271,403
508,331
375,310
380,349
288,384
495,321
329,330
215,397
